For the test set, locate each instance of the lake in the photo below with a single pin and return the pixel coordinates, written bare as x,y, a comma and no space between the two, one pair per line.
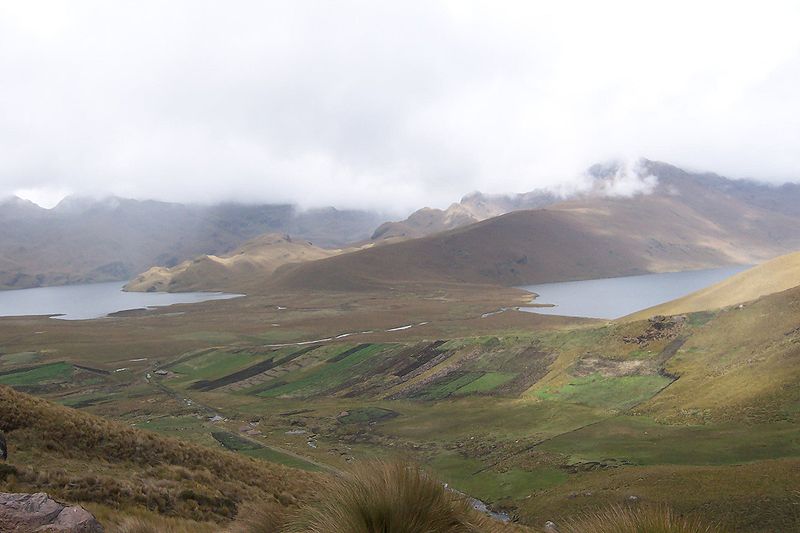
616,297
94,300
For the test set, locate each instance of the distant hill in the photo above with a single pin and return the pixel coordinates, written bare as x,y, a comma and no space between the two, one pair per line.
254,259
777,275
687,221
472,208
84,240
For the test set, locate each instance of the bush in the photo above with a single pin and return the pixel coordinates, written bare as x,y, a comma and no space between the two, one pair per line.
387,497
645,519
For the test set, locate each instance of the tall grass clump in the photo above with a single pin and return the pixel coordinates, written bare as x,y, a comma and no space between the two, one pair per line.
259,517
645,519
387,497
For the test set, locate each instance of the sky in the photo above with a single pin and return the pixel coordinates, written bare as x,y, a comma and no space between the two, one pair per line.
387,105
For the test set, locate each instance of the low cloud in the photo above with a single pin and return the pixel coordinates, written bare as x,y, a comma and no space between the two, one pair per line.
389,106
628,180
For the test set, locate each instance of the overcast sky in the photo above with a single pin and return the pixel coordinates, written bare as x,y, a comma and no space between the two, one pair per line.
391,105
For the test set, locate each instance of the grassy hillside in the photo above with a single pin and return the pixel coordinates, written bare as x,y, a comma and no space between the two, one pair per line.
776,275
743,365
256,258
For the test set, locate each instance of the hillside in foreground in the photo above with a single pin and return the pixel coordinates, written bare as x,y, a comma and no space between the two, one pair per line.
776,275
117,471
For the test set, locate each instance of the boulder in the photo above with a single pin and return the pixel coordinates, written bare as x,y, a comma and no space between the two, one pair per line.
550,527
27,513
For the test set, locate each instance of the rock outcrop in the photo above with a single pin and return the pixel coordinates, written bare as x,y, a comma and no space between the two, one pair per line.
20,512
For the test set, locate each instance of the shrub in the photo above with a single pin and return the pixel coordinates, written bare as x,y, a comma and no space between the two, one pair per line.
645,519
387,497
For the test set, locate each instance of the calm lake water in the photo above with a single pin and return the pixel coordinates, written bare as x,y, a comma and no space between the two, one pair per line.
95,300
617,297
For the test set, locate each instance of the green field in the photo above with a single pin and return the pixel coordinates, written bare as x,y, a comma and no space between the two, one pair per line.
491,485
487,382
40,375
215,364
620,393
320,379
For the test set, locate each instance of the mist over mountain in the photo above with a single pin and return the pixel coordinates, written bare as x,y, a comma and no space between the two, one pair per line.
87,240
90,240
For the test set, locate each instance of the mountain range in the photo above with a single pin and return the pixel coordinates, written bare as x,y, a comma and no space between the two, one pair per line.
654,217
685,221
83,240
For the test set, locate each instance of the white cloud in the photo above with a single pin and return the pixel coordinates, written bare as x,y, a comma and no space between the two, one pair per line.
392,105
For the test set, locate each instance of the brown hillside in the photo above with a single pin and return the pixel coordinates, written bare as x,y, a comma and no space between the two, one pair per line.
580,239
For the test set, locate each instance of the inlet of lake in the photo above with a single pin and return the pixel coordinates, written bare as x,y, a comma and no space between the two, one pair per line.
617,297
93,300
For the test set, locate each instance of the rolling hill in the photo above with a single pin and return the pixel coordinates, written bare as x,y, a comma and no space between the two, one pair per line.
689,221
254,259
776,275
83,240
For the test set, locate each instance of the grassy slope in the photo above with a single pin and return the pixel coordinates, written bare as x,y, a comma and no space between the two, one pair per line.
743,364
81,457
777,275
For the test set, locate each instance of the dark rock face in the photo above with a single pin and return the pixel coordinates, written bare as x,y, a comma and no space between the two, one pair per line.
27,513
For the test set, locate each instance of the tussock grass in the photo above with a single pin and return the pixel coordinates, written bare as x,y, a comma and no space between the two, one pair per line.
140,525
259,517
387,497
645,519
